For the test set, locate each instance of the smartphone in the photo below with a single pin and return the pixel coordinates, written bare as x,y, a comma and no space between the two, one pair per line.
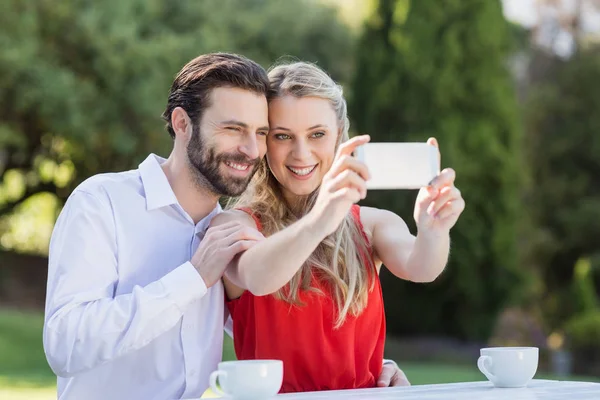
399,165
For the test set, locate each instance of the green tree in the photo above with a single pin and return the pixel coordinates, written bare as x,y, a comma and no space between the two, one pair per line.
563,145
83,84
428,68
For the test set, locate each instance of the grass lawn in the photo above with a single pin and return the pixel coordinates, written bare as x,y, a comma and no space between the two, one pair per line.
24,373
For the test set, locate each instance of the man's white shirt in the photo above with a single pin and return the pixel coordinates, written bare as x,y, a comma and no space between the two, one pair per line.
127,315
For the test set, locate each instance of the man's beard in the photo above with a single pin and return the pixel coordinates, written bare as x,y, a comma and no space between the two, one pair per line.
205,165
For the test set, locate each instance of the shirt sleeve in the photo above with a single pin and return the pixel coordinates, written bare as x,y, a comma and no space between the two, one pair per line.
86,325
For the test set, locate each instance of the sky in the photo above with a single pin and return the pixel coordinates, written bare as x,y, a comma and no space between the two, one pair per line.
526,13
520,11
523,12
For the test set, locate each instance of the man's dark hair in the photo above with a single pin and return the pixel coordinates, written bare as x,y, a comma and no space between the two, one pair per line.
194,83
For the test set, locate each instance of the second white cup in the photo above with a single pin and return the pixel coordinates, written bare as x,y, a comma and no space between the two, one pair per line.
509,367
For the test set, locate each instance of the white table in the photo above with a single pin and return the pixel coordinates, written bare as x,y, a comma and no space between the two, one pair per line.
536,390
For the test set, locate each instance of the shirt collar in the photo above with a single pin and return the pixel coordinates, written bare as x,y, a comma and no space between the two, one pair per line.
156,185
203,224
159,192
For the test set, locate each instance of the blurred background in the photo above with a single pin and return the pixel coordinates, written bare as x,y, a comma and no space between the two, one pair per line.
510,88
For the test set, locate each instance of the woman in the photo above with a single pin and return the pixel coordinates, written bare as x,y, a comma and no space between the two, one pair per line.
308,293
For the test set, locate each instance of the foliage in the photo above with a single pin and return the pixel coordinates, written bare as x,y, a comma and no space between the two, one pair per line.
583,330
564,203
83,84
430,70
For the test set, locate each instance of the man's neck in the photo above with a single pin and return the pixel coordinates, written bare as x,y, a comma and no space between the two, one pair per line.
196,201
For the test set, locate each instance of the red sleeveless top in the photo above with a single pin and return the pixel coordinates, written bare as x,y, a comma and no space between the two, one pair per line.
315,355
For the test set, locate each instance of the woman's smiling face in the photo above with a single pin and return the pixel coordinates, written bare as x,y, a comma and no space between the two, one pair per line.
301,143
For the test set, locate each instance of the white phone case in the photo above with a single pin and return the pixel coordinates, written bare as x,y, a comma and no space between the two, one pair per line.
399,165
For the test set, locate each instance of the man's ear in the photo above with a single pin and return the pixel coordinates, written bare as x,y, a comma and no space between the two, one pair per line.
181,123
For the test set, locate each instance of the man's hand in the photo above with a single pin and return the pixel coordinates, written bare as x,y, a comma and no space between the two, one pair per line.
220,244
391,375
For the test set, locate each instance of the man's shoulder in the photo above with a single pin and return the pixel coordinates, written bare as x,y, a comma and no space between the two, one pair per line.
106,185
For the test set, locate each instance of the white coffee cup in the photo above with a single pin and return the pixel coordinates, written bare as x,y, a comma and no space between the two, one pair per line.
248,379
509,367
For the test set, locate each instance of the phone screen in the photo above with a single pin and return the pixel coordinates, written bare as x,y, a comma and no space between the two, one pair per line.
399,165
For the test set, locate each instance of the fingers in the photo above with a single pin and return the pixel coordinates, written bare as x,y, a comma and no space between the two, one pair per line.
348,193
243,233
451,208
226,225
433,142
440,191
391,375
221,231
387,372
447,194
445,178
349,179
399,379
348,147
349,163
224,237
246,233
239,241
240,246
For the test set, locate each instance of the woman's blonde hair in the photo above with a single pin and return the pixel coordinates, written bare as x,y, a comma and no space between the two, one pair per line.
339,260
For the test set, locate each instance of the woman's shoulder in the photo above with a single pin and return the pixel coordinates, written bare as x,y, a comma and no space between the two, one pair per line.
367,216
371,216
370,213
242,215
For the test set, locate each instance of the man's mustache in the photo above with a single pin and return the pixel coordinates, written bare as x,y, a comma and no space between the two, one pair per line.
239,159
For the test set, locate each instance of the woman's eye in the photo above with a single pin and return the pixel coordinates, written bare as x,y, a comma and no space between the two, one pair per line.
281,136
318,134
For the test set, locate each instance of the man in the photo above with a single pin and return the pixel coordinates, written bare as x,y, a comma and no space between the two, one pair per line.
135,304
